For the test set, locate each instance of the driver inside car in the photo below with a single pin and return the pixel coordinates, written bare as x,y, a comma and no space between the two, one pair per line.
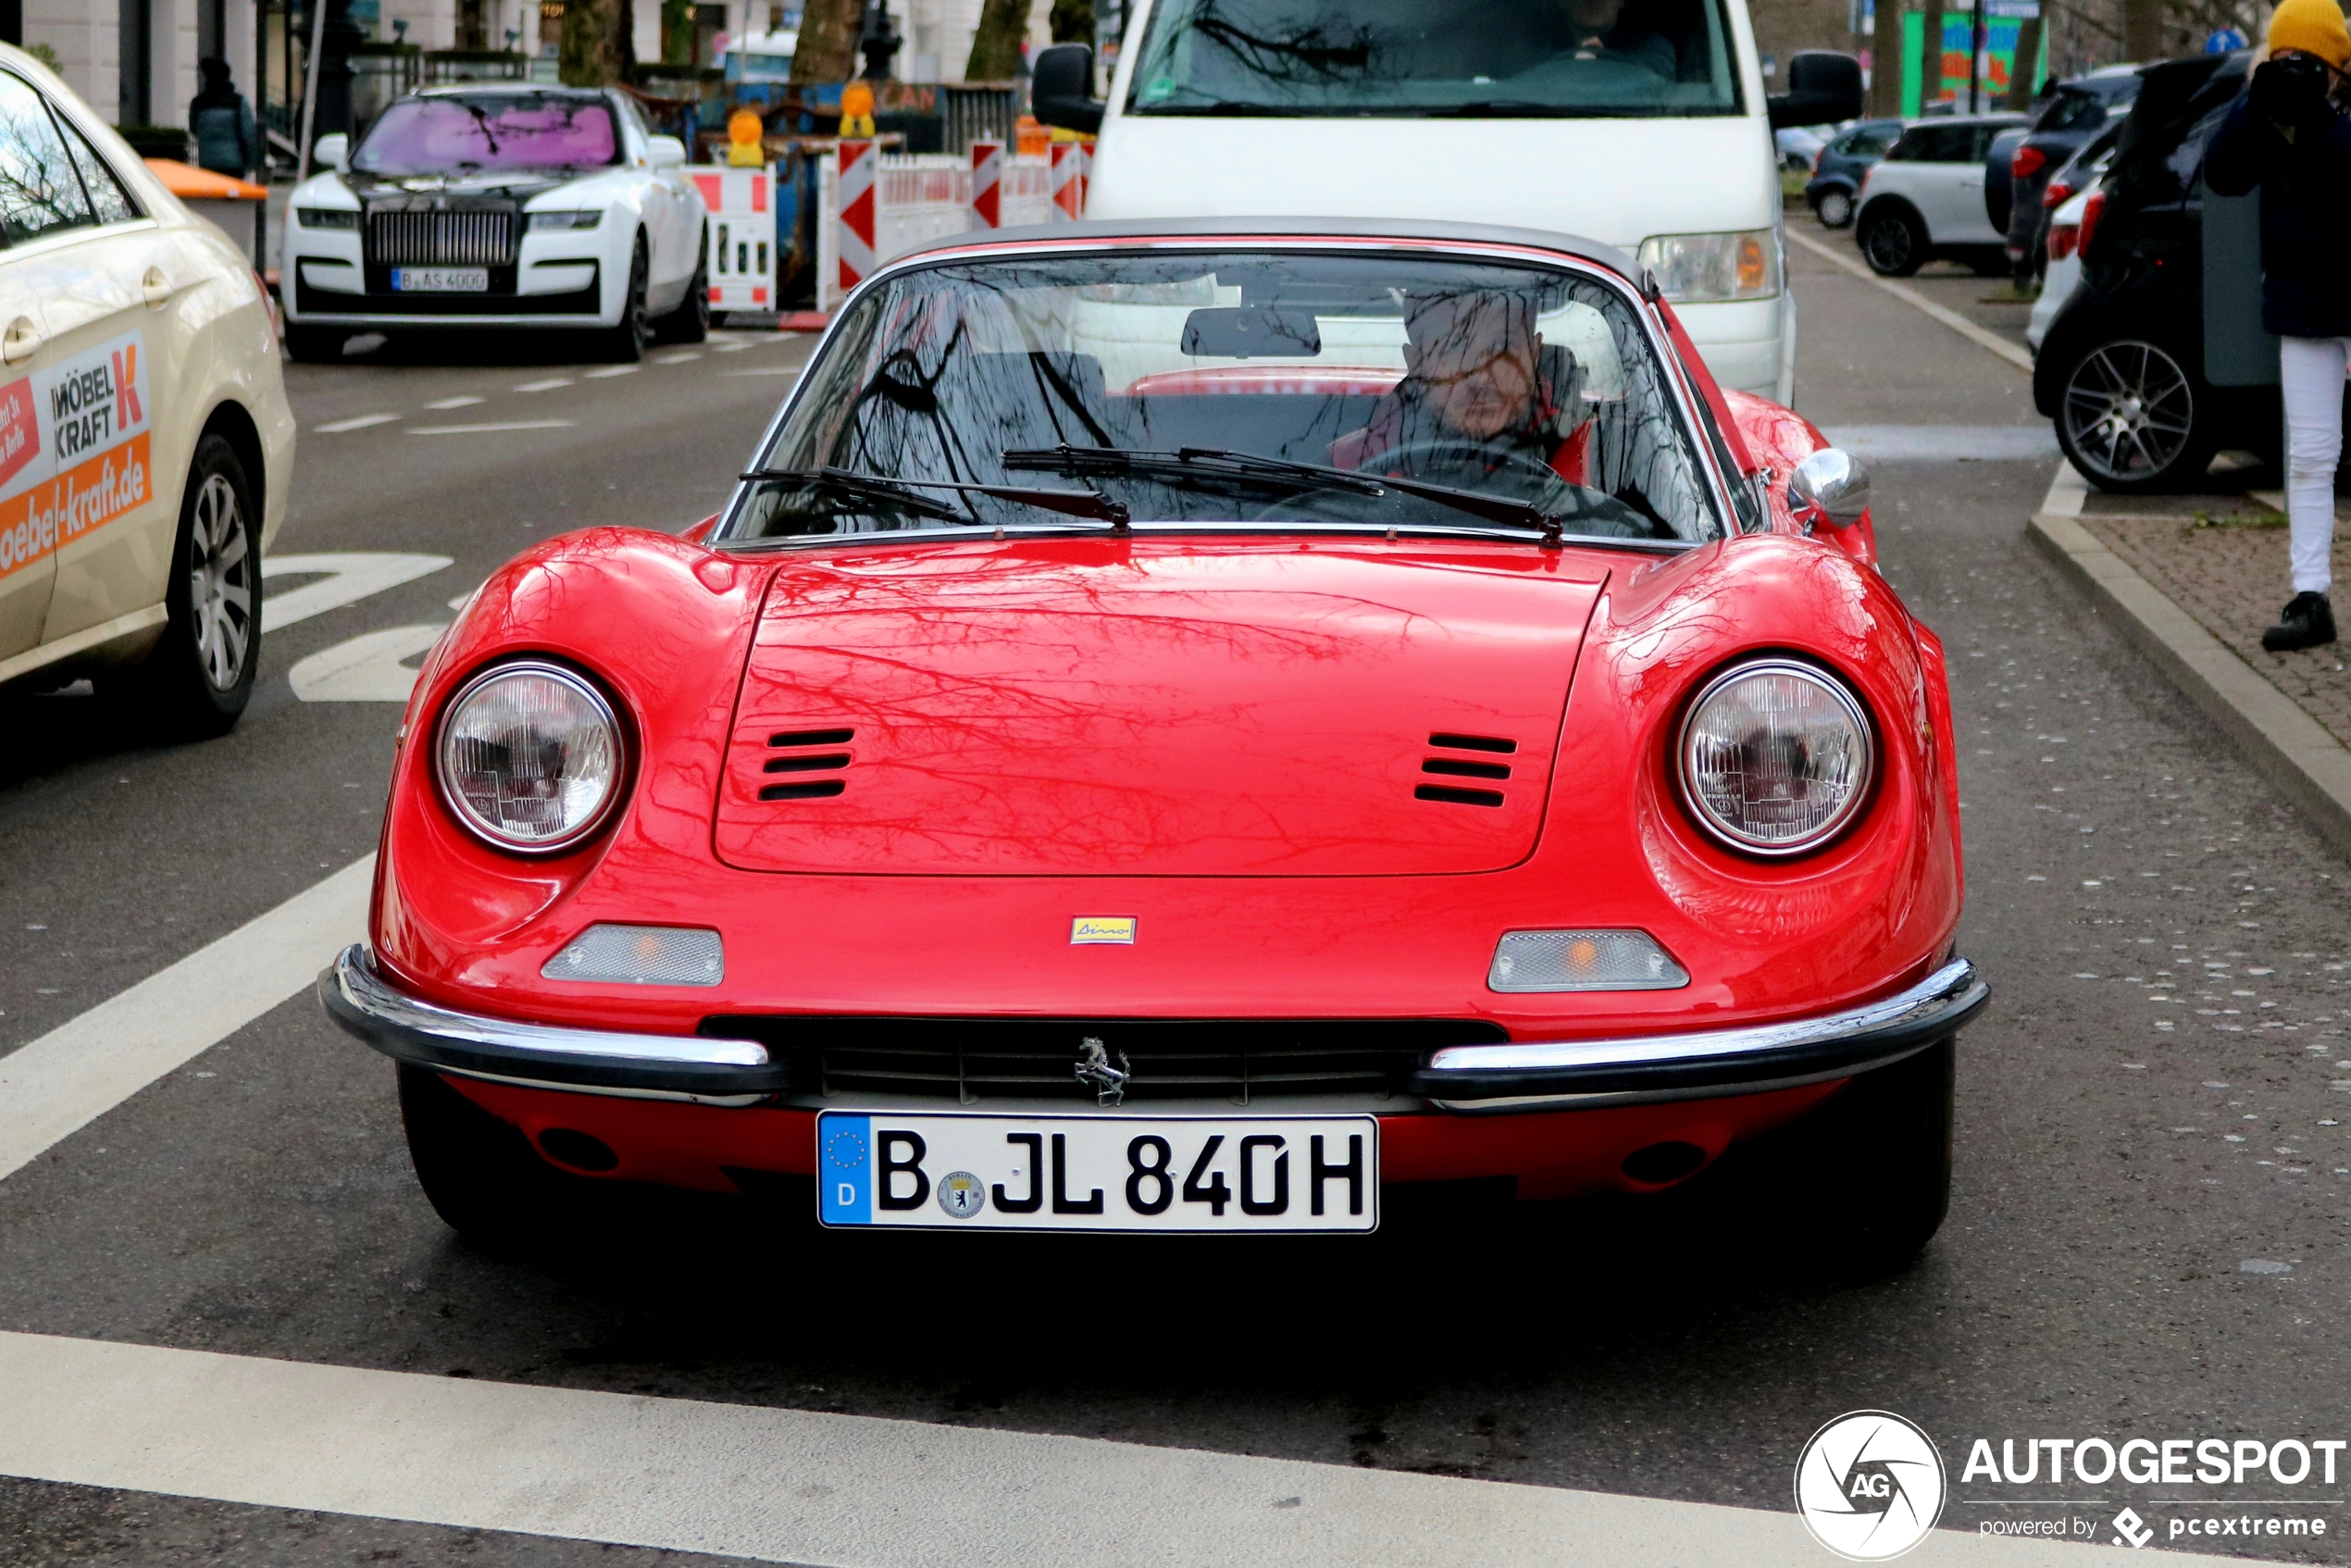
1479,398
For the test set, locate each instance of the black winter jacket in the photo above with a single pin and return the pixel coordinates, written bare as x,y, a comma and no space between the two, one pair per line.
2306,217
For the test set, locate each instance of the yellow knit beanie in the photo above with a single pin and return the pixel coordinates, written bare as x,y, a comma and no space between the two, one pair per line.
2313,25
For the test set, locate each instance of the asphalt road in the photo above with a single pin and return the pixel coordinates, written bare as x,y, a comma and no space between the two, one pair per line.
2151,1103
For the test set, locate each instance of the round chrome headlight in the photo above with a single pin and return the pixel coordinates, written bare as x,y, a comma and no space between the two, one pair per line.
1776,757
529,757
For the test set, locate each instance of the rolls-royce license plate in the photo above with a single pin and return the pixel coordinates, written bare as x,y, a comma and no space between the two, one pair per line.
1004,1171
440,280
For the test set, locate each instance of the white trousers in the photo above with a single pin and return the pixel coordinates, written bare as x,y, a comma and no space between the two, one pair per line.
2311,374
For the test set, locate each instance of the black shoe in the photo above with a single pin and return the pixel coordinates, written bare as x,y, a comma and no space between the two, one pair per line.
2306,621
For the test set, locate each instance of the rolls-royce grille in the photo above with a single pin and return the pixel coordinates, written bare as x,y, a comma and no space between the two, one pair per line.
441,238
964,1060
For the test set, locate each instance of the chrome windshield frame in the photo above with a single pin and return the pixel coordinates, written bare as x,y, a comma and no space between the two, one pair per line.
1676,378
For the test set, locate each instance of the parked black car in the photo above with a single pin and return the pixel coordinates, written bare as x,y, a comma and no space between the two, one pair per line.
1837,172
1995,174
2159,361
2076,111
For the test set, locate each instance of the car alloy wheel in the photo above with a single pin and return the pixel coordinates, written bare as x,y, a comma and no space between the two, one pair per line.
1834,210
198,676
2129,414
220,585
624,344
1893,246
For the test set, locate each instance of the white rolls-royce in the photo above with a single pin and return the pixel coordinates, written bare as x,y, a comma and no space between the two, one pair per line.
501,206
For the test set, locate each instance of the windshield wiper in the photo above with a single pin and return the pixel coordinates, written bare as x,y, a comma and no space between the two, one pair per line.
1209,461
907,495
1517,108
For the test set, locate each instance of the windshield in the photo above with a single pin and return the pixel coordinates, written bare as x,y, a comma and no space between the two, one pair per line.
1237,388
474,131
1472,57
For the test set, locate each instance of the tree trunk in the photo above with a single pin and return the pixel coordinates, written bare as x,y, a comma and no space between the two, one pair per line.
595,43
827,48
1004,28
1073,21
2143,30
1931,56
2028,63
1885,62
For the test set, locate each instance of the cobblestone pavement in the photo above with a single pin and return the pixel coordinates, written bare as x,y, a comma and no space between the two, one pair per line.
2223,558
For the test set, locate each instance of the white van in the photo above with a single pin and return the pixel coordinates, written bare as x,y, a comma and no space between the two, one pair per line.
1639,123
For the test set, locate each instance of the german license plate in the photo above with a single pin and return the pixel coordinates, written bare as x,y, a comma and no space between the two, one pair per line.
440,280
1002,1171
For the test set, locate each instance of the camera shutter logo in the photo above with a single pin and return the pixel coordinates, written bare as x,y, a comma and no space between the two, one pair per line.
1869,1486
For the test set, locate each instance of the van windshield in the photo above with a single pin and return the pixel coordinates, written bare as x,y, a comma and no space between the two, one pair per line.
1470,58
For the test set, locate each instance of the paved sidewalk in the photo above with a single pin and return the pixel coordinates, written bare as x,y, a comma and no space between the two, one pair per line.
2222,559
2194,580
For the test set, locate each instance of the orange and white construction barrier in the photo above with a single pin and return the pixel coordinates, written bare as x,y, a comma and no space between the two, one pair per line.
741,233
859,163
987,187
1069,181
873,207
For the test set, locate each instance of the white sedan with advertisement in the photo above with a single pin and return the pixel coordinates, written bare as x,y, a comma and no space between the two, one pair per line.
499,205
146,443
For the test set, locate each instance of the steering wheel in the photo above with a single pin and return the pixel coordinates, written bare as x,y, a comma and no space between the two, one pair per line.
1444,452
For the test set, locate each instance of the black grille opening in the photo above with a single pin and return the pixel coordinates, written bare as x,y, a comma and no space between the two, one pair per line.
1466,769
1472,743
962,1060
815,792
813,738
817,764
1452,796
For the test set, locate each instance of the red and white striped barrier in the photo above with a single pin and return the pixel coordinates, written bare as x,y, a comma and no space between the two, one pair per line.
988,193
742,234
1069,181
910,201
859,161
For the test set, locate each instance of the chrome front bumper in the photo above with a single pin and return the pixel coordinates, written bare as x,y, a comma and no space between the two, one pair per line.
1703,1064
736,1072
1523,1076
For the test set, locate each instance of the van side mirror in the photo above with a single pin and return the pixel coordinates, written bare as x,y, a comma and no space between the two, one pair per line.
1823,88
332,151
1061,89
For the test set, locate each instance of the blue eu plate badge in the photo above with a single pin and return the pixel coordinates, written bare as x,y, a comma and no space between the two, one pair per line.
844,1161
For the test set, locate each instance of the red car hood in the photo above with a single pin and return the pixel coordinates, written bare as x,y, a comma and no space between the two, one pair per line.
1090,706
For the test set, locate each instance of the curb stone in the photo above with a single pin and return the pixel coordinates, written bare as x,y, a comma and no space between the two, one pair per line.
2285,743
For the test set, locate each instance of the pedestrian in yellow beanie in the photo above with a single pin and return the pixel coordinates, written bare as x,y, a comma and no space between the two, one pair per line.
2314,27
2288,136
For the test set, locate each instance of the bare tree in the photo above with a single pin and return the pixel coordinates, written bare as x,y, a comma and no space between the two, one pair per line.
1931,55
1073,21
597,48
1004,28
1886,61
2026,62
828,47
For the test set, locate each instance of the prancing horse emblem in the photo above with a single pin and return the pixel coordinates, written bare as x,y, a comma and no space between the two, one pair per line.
1095,1072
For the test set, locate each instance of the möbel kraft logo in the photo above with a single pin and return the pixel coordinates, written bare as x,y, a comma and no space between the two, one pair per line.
1869,1486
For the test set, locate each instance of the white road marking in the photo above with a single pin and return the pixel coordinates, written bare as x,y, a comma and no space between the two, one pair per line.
796,1487
1945,443
678,358
491,429
734,345
365,669
457,402
361,423
81,1069
550,384
351,576
609,371
766,371
2015,353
